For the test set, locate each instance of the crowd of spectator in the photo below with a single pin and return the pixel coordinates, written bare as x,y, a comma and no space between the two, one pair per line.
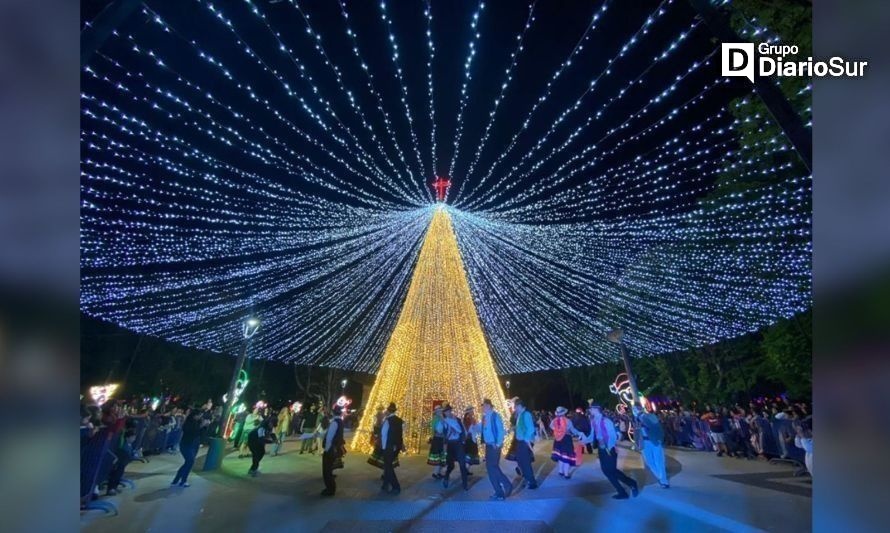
121,431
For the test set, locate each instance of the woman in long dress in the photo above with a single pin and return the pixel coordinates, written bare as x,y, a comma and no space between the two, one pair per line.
436,456
376,458
563,446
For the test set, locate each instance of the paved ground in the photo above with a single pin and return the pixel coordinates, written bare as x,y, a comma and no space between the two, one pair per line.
708,494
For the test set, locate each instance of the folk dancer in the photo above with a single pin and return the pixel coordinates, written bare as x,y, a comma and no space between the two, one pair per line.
650,441
455,436
436,456
606,438
471,448
563,446
334,447
492,429
391,443
511,449
525,437
376,458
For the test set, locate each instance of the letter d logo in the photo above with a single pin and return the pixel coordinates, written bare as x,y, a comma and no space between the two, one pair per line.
737,59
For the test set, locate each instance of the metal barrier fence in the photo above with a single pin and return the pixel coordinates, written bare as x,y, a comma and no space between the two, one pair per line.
96,458
97,455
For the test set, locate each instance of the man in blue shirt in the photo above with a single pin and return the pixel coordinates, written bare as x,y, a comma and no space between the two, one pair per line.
493,436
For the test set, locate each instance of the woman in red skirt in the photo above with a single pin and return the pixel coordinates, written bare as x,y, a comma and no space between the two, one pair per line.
563,447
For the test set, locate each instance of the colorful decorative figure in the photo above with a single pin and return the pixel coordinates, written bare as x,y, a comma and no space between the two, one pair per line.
102,393
621,388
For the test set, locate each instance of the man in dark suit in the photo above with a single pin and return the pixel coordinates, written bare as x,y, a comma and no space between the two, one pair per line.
391,442
333,450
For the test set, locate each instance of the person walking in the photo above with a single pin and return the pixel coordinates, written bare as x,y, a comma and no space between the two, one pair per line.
193,427
651,444
436,456
256,441
606,438
391,443
493,433
309,429
332,452
282,428
250,423
455,438
525,437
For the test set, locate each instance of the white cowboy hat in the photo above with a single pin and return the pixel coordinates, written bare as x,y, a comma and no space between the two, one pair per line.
561,410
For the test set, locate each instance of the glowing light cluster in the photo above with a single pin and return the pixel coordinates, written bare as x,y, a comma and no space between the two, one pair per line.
274,160
437,350
102,393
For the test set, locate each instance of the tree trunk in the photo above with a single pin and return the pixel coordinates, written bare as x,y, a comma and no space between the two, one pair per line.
304,387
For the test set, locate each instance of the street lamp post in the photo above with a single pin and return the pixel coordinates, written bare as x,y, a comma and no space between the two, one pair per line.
507,383
217,444
616,336
343,385
251,326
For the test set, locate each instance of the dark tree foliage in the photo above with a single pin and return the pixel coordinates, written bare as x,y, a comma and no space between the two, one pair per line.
774,361
792,22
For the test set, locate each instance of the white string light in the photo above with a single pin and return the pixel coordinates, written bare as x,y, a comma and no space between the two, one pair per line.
220,179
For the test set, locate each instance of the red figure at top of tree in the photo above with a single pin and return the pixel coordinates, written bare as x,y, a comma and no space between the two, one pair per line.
441,186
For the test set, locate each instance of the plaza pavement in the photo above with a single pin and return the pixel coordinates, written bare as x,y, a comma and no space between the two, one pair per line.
707,494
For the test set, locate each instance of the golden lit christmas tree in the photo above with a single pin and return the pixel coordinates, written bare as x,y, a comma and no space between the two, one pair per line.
437,351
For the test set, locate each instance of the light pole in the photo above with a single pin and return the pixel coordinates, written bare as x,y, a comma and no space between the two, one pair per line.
251,326
216,448
507,384
343,385
616,336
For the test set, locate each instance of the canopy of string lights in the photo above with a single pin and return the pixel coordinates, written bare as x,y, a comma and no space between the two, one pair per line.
285,160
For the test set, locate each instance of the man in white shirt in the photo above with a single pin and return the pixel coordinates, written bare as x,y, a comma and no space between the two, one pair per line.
603,430
333,446
391,443
455,436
